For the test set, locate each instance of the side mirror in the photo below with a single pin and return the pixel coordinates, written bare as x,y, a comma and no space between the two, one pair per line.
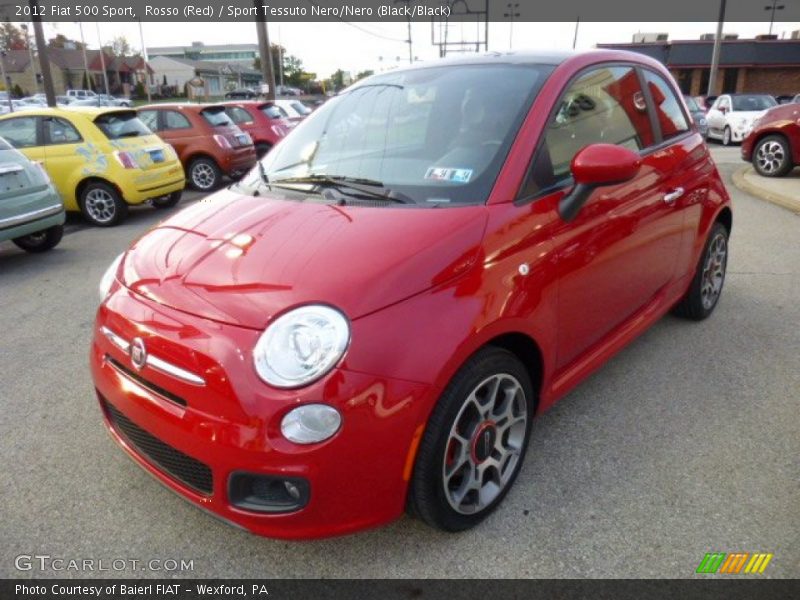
723,109
595,166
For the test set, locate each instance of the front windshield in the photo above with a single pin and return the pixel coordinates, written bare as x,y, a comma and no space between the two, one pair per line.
760,102
692,104
435,135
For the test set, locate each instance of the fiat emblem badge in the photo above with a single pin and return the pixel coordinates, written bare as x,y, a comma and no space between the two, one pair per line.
138,353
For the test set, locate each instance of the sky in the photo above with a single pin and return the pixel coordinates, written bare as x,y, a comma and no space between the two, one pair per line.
325,47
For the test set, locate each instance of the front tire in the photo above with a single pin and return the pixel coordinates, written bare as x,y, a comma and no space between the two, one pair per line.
41,241
703,295
474,442
262,149
204,174
772,156
167,201
726,136
101,204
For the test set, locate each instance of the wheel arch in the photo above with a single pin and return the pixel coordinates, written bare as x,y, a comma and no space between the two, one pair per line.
96,179
527,350
725,217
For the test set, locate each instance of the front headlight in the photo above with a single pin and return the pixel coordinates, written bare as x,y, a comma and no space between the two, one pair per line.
108,277
301,346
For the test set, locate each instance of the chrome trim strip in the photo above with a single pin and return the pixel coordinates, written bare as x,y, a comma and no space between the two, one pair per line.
153,361
170,369
6,168
31,216
116,340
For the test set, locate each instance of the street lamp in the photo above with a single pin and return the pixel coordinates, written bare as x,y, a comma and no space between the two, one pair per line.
775,6
511,14
24,27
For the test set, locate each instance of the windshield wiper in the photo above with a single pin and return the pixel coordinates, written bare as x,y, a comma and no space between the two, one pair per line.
365,187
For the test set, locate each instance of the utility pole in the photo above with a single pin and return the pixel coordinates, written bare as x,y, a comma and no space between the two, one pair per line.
264,51
511,14
85,60
712,76
44,62
773,8
410,48
280,57
102,59
575,38
144,58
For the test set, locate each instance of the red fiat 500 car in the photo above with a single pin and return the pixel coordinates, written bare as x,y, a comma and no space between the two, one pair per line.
773,145
370,319
264,121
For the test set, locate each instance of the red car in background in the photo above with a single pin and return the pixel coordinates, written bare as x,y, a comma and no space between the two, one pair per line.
264,121
207,141
773,146
370,322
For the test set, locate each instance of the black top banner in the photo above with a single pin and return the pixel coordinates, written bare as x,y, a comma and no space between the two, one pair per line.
397,10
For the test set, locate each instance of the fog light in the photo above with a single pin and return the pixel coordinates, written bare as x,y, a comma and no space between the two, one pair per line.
310,423
267,493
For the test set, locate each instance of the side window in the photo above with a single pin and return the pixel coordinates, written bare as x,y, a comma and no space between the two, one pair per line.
60,131
239,115
668,110
282,112
149,118
723,103
20,132
175,120
604,105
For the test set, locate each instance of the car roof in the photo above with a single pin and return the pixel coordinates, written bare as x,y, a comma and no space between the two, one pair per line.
195,107
90,112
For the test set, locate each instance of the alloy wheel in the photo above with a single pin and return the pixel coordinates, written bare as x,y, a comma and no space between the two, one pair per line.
485,443
726,136
770,157
100,205
714,271
203,176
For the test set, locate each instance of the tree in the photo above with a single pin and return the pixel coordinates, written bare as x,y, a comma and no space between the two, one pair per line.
120,46
12,38
363,74
62,41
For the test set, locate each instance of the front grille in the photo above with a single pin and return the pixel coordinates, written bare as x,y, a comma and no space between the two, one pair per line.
175,463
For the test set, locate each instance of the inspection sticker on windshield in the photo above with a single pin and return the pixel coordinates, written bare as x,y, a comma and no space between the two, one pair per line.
447,174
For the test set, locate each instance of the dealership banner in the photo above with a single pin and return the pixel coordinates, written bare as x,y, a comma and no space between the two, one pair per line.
392,10
394,589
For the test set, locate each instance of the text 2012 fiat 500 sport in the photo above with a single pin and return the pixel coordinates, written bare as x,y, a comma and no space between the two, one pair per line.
370,319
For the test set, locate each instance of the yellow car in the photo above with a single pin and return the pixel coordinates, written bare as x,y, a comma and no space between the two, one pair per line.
100,159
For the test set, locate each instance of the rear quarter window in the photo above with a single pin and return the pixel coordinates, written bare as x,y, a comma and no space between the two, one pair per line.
216,117
121,124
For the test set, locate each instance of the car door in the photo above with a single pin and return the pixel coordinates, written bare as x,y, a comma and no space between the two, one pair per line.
716,115
175,129
618,255
64,154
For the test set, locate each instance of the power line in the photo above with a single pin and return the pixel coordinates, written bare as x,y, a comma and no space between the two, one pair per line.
362,29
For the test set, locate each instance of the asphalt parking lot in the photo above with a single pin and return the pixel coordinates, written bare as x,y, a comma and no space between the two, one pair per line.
686,442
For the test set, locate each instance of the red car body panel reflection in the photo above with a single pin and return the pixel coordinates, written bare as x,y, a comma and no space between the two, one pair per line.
201,287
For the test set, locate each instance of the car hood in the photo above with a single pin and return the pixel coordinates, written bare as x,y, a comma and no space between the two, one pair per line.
241,259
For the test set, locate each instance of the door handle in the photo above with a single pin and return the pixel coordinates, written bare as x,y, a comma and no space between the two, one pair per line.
670,197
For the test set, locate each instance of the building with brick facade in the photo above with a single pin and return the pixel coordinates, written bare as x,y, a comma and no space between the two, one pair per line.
68,70
769,66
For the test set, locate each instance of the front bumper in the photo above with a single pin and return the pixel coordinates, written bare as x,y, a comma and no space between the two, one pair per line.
357,478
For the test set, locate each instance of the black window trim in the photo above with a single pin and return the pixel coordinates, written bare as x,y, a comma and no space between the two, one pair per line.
568,182
46,135
651,107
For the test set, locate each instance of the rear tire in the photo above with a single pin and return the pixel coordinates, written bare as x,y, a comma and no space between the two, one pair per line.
261,149
474,442
167,201
204,174
704,292
772,156
101,204
41,241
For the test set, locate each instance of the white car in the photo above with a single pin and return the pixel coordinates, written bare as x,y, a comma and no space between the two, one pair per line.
732,116
294,109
